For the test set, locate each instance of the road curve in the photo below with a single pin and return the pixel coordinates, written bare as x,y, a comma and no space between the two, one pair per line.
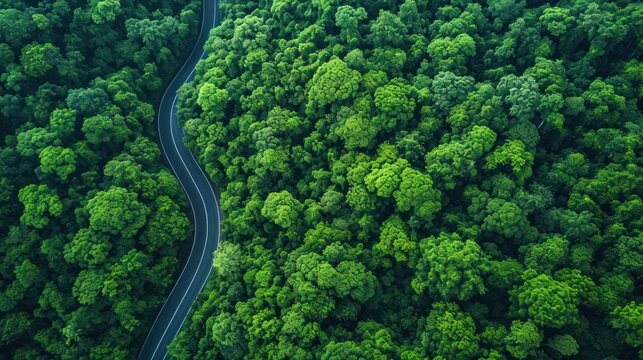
200,192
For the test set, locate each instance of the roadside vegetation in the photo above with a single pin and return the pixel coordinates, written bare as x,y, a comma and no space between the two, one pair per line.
91,223
421,179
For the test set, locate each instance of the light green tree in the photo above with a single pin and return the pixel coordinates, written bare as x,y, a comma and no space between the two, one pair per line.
395,241
333,82
105,10
39,59
512,154
450,333
40,203
523,339
213,100
282,209
545,301
628,320
450,54
117,211
450,268
416,193
58,160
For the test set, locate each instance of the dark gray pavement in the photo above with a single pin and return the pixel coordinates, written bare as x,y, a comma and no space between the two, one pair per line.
203,201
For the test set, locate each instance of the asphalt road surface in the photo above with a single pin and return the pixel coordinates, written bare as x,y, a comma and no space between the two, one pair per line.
203,201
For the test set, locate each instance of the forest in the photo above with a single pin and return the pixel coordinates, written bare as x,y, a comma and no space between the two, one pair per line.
410,179
93,228
421,180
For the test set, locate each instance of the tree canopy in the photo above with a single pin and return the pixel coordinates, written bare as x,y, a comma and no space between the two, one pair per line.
420,179
92,227
398,179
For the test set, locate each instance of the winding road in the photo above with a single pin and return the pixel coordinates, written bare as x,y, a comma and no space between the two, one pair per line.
203,201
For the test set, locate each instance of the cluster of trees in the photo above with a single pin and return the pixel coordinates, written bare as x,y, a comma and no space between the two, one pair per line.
421,179
91,224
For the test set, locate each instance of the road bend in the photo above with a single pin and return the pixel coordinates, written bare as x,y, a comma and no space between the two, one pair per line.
203,200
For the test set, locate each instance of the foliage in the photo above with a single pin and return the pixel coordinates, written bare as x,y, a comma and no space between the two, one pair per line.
420,179
399,180
92,226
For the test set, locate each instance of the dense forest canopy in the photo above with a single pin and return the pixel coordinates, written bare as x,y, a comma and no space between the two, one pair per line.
91,224
399,179
421,179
